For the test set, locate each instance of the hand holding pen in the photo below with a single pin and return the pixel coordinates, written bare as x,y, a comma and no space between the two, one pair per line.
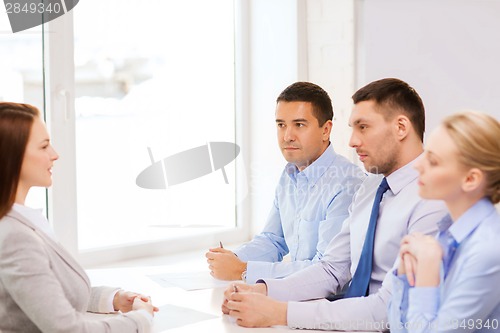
224,264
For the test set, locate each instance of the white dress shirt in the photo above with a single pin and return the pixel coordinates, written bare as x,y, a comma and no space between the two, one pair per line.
401,211
36,217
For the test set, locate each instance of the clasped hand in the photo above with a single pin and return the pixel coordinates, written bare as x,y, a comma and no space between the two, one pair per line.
419,251
250,306
224,264
126,301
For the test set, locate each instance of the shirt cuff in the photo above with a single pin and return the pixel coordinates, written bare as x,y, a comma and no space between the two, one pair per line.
146,314
296,316
400,287
142,318
424,301
401,280
258,270
241,255
109,303
399,284
310,316
275,289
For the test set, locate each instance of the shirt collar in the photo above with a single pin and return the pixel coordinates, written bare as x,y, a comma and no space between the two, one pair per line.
402,177
469,221
27,212
445,223
36,218
317,168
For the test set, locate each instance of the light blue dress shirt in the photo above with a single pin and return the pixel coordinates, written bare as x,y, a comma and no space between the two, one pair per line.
468,296
308,211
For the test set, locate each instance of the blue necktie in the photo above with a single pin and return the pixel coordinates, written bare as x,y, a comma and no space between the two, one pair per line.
449,245
361,279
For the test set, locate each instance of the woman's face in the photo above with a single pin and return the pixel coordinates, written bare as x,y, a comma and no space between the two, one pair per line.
441,174
38,159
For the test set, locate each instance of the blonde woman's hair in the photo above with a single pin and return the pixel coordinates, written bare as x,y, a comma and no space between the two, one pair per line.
477,136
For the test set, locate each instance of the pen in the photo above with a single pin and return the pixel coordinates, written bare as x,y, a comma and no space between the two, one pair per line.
220,243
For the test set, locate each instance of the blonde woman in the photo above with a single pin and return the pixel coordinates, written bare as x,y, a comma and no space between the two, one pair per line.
451,282
42,288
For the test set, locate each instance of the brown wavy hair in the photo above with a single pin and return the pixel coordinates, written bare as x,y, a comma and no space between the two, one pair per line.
16,121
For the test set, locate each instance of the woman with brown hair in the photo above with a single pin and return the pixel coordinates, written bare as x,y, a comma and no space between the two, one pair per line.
42,288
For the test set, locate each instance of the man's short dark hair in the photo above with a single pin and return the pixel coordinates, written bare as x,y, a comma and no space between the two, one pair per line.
312,93
392,97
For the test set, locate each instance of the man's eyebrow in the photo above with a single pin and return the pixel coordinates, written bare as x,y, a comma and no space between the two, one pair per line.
299,120
357,121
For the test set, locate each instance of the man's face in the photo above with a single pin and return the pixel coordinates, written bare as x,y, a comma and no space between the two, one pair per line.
300,137
374,138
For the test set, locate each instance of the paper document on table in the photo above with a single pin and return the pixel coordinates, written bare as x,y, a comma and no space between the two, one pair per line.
188,280
172,316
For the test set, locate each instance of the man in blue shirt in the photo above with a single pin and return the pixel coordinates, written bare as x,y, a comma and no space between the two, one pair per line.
312,197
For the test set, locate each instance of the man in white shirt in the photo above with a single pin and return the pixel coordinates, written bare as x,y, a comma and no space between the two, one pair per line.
388,122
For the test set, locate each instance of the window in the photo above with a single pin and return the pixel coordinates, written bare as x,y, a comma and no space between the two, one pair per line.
154,85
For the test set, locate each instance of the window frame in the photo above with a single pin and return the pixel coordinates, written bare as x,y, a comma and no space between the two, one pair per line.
60,106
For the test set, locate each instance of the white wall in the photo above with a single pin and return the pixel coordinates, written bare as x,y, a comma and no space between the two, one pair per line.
276,61
308,40
331,60
448,50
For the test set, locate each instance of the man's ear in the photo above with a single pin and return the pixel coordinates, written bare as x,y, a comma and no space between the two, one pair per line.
473,180
327,130
403,127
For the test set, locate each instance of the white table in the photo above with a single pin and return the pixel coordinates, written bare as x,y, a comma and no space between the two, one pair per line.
204,303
